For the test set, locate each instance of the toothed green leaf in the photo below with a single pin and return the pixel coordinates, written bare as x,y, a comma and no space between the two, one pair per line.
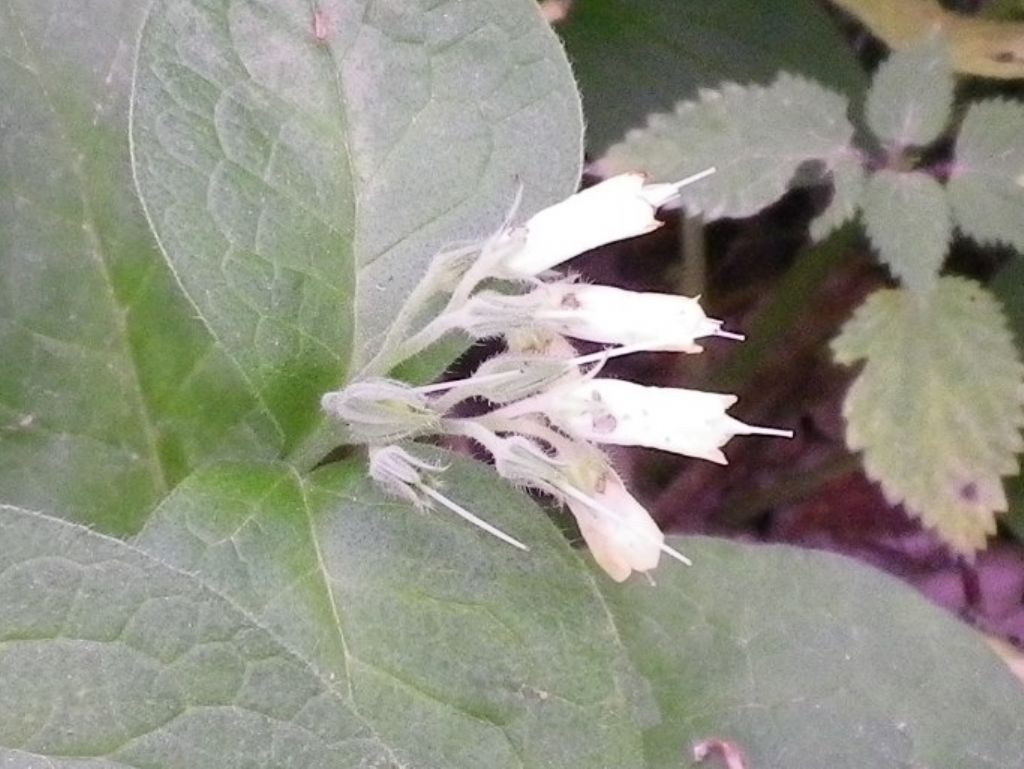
907,217
986,188
756,137
847,188
911,97
937,407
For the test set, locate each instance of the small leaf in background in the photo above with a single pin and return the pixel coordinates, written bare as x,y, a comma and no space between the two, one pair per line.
986,186
460,650
805,660
907,218
848,179
258,130
111,658
111,390
637,57
937,407
757,138
911,96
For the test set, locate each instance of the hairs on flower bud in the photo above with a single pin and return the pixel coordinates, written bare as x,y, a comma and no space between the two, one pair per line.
382,410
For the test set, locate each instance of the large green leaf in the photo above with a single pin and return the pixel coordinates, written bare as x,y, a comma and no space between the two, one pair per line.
273,622
807,660
986,186
111,391
937,408
110,659
635,57
458,649
300,172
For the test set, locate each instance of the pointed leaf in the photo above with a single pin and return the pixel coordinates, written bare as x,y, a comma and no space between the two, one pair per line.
907,217
111,391
628,67
848,179
457,648
986,188
806,660
757,138
911,97
300,169
111,659
937,407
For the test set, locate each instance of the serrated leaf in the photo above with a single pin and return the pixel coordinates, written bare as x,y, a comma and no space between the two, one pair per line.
111,390
301,169
848,179
907,218
937,407
628,68
459,650
986,187
806,660
757,138
110,658
911,96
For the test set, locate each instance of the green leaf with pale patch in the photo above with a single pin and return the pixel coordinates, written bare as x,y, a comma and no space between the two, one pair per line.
847,177
758,138
301,164
911,96
111,390
937,407
986,186
907,218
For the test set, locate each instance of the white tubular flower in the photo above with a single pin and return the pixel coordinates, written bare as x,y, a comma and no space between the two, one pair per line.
619,531
609,315
687,422
381,410
618,208
401,474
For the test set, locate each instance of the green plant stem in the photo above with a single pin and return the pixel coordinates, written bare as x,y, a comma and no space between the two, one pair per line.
784,310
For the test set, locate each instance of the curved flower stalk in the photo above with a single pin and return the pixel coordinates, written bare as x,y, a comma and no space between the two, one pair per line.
550,411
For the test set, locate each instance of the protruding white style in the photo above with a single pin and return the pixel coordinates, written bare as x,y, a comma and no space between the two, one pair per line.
399,473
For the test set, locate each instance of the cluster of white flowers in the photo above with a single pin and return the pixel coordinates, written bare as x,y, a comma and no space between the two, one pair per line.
550,408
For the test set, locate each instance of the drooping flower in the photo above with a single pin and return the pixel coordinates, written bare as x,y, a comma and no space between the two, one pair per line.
687,422
618,208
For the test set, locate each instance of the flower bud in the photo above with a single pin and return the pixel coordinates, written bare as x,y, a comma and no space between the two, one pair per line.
382,411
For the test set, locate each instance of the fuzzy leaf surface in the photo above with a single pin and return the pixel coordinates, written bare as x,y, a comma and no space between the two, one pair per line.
111,659
636,57
806,660
111,390
937,407
986,188
907,218
911,96
460,650
758,138
301,168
